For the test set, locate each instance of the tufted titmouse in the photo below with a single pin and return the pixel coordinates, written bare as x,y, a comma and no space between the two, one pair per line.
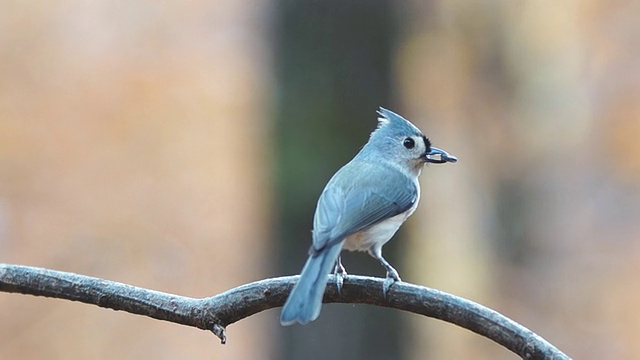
361,208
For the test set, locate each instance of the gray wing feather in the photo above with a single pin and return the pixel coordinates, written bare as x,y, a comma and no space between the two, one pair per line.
344,209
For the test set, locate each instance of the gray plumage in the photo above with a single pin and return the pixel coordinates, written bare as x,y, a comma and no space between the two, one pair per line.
362,207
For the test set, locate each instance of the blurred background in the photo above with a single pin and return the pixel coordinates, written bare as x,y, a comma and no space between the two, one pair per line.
182,147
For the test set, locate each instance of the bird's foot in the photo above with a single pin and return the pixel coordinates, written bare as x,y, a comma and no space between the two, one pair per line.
340,281
341,274
392,278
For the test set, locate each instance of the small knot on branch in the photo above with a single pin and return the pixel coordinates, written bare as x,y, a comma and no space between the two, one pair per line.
219,331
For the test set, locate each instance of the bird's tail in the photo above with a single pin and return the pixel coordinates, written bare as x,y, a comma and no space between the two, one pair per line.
305,300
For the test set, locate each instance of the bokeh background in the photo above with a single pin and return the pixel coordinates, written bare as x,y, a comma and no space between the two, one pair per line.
181,146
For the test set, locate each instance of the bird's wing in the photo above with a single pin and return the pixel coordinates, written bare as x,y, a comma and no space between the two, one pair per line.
345,210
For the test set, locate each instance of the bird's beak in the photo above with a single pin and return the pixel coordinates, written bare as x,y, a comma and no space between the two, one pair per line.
432,156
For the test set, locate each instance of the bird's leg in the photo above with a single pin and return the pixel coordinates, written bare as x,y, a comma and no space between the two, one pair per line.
392,274
341,273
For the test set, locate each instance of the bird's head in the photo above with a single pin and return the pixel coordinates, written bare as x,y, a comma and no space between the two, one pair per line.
397,139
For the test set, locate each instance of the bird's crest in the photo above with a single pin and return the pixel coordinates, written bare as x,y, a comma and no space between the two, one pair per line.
394,123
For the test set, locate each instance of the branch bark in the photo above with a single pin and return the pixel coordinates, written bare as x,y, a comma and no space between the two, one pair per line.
217,312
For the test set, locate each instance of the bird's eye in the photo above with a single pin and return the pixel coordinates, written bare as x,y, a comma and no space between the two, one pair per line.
409,143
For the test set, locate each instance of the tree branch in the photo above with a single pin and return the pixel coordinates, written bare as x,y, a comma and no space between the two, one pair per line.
215,313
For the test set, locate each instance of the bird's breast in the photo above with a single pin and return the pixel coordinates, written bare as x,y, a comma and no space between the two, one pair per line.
377,234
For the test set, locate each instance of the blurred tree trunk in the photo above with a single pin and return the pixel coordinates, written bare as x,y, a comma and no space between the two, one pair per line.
333,71
449,247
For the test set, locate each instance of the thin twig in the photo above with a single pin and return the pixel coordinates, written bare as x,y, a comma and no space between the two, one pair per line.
215,313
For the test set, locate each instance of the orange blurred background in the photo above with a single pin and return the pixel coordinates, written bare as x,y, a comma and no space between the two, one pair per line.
181,146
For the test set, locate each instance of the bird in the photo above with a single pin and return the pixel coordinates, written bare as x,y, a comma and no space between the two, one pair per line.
361,208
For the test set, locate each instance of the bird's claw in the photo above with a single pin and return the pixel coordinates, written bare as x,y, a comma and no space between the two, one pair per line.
341,274
392,278
340,281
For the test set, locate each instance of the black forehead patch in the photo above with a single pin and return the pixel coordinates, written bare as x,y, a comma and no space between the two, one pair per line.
427,142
